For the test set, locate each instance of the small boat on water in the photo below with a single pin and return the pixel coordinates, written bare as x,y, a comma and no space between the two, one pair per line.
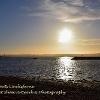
35,58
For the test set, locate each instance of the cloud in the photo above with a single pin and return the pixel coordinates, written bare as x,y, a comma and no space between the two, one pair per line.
89,42
69,10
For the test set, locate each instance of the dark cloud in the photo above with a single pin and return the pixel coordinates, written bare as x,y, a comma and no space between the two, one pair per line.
92,4
69,10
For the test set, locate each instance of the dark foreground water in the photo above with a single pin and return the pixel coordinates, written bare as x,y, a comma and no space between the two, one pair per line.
51,68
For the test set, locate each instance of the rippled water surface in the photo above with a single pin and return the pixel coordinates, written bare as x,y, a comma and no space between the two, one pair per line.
51,67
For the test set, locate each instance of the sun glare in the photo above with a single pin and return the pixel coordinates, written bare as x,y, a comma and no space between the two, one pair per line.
65,35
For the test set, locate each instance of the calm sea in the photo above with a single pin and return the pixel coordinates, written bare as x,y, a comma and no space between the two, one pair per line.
51,68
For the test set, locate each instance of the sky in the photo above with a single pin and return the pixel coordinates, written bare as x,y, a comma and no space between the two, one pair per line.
33,26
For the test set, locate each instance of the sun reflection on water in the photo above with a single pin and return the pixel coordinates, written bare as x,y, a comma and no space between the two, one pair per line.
66,69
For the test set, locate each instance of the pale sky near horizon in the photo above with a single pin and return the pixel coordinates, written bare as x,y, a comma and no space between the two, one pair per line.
33,26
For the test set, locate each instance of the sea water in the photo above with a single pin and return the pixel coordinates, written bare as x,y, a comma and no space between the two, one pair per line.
50,68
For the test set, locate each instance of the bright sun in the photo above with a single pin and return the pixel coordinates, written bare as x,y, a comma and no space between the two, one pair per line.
65,35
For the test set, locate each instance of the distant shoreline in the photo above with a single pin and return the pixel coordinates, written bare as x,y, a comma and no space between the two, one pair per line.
85,58
50,55
74,57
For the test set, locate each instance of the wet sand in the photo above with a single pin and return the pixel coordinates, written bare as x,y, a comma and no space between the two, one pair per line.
86,90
